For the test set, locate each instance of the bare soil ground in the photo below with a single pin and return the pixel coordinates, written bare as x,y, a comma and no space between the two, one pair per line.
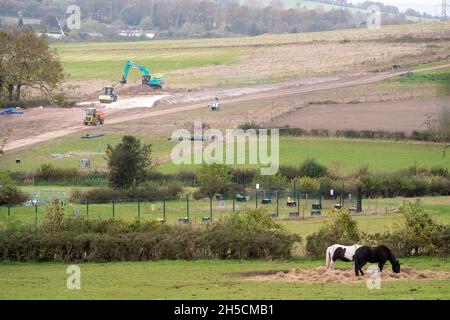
38,125
340,275
394,116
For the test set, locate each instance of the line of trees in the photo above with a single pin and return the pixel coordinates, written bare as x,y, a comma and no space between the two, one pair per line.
27,62
192,18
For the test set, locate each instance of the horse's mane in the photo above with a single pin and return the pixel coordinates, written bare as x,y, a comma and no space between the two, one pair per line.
391,255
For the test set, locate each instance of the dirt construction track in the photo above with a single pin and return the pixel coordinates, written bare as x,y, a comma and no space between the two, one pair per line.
69,120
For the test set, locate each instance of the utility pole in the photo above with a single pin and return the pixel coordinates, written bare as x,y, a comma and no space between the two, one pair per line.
341,13
444,10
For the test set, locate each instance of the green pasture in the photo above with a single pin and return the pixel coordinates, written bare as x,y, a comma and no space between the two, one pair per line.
101,63
204,279
348,156
344,155
93,149
441,77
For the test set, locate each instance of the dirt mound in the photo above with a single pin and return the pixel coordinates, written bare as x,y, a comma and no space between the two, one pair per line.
322,275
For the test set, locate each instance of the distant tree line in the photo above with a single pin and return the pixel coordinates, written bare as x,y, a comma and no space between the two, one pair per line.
190,18
386,8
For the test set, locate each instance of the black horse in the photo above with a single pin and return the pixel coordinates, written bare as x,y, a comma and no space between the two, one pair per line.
379,255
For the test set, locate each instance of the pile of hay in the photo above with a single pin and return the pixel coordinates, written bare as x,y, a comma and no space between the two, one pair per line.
340,275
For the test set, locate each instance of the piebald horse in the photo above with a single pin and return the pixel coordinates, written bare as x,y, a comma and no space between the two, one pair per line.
340,252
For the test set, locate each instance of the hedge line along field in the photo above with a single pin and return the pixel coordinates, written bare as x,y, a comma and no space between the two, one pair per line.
206,279
348,155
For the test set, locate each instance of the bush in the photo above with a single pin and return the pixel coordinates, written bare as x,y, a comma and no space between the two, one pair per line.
9,193
342,229
249,234
54,217
275,182
98,195
307,184
150,191
249,125
311,168
290,172
418,234
49,173
212,179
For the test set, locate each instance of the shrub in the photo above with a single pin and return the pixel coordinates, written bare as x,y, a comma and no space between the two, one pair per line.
98,195
212,179
311,168
289,172
254,220
275,182
308,184
249,234
342,229
249,125
439,171
54,217
9,193
48,172
418,234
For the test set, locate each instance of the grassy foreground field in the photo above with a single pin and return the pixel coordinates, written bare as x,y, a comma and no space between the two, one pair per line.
204,279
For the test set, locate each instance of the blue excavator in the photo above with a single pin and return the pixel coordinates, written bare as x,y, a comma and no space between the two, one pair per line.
155,80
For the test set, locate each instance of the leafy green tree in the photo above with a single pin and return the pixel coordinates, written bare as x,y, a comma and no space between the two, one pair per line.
128,162
214,178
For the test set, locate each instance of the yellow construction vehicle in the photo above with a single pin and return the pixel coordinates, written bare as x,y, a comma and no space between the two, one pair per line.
93,117
109,95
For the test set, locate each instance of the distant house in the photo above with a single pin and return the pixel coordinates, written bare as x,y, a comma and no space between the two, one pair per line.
52,35
136,33
95,34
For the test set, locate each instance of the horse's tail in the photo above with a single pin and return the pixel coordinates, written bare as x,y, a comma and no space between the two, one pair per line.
328,257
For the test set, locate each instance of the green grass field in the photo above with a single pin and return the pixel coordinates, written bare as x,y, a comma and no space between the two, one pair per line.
93,149
441,77
203,279
346,155
109,64
350,155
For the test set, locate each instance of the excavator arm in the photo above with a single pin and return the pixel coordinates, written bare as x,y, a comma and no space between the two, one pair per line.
130,64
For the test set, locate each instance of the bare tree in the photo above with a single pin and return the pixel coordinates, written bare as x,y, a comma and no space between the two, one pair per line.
438,125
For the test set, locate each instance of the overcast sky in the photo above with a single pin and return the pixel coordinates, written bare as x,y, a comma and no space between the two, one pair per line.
429,6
